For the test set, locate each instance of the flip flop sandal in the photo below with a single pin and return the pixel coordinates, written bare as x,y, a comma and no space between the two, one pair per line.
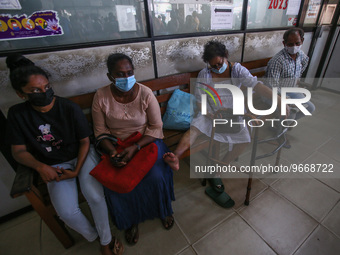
215,182
132,234
166,223
116,246
222,199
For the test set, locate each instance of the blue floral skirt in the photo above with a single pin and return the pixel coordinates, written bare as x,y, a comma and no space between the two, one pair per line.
150,199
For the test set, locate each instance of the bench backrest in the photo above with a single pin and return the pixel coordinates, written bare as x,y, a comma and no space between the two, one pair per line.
163,87
257,67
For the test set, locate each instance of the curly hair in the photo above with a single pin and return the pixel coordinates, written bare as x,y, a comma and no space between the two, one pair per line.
214,49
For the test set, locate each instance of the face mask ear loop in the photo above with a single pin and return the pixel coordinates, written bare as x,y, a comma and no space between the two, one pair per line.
114,80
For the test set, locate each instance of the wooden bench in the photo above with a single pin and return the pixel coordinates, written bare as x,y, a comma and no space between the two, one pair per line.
27,180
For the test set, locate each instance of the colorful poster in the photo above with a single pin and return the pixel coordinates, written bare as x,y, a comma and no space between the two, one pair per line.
10,4
41,23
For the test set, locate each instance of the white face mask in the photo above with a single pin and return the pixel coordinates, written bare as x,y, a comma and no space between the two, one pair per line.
293,50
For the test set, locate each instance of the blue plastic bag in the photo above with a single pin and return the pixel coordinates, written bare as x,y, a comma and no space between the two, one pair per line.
179,111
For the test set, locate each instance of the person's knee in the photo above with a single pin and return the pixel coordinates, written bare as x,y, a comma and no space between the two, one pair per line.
68,214
95,198
93,192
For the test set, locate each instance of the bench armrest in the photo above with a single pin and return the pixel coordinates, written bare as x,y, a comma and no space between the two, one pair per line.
23,181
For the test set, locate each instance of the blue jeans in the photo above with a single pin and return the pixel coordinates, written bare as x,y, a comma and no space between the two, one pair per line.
64,197
309,105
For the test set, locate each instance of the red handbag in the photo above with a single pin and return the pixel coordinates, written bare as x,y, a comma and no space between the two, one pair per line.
125,179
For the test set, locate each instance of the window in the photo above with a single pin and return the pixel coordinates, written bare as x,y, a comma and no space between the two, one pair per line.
82,21
312,12
269,14
192,16
328,14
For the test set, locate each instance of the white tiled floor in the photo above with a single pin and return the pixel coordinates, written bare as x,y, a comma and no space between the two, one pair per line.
286,216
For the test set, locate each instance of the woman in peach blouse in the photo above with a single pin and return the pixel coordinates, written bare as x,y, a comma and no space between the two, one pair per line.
122,108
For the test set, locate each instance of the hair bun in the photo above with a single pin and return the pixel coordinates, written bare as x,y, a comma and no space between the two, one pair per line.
16,60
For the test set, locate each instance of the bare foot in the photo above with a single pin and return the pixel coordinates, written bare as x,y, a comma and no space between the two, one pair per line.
172,160
168,222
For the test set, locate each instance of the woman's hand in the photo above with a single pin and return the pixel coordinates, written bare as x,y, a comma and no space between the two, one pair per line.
67,174
112,153
49,173
127,154
115,161
25,158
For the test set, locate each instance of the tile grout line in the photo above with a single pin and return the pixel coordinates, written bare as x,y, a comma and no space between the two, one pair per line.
291,202
312,177
182,250
318,179
180,229
323,219
238,212
327,155
329,139
284,198
330,230
305,240
253,198
244,220
211,230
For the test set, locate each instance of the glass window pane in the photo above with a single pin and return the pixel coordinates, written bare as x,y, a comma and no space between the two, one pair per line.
262,45
185,54
191,16
312,12
269,14
328,14
82,21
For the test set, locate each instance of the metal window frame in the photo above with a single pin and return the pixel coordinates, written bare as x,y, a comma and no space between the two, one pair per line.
152,38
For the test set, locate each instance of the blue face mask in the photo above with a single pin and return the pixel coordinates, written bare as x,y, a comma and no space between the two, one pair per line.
221,70
125,84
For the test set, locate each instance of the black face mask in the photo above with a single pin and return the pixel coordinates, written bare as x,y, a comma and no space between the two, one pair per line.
41,99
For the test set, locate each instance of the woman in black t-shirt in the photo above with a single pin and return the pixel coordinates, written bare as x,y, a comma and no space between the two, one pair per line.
51,135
